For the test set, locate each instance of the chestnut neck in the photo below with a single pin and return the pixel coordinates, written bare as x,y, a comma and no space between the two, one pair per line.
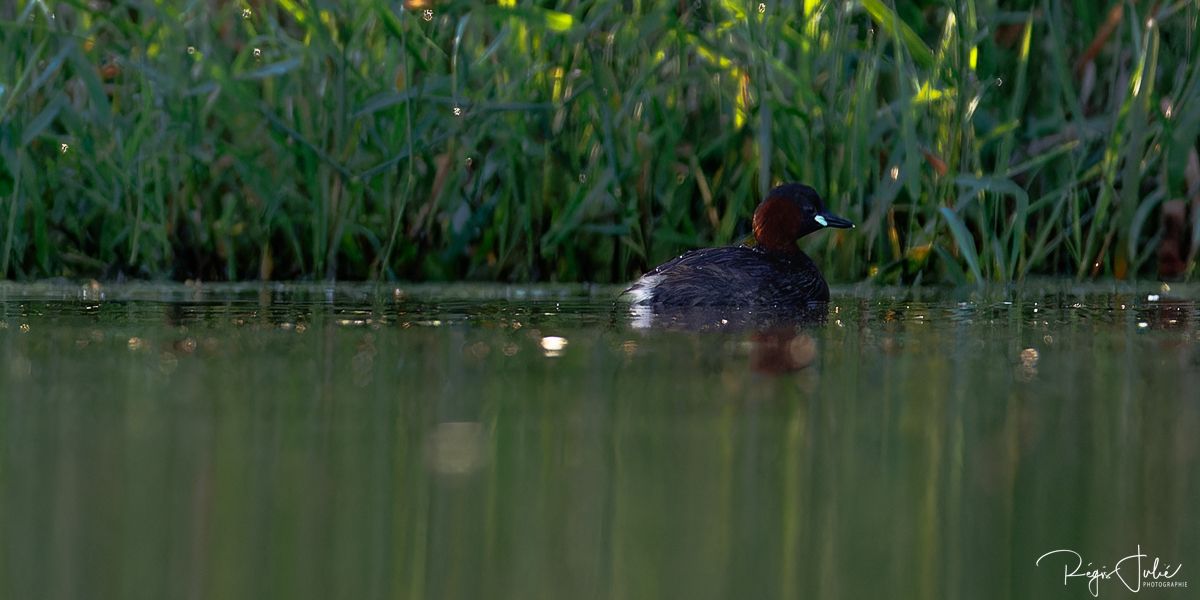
777,225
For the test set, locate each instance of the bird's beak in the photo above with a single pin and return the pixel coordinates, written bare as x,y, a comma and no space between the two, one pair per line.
828,219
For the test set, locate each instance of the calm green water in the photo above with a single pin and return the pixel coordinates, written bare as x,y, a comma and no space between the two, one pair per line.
487,442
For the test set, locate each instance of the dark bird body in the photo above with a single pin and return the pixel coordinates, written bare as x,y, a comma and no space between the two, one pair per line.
734,276
772,273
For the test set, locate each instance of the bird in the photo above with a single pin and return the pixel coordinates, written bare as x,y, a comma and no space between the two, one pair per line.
771,273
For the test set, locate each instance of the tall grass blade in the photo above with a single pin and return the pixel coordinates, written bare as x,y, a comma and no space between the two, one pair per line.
964,241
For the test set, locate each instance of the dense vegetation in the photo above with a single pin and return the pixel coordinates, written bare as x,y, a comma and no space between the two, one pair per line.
972,140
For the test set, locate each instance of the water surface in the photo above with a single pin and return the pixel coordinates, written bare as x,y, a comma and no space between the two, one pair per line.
309,441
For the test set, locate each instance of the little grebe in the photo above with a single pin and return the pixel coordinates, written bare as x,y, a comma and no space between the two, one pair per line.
772,273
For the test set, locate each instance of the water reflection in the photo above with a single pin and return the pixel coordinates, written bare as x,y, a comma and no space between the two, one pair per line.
778,340
456,448
782,350
719,318
247,441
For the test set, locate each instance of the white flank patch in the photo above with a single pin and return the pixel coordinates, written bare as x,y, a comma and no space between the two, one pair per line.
642,296
643,291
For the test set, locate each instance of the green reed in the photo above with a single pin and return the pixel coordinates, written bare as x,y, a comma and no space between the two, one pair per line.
971,140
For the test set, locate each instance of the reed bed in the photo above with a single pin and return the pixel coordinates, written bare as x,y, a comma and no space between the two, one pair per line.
972,140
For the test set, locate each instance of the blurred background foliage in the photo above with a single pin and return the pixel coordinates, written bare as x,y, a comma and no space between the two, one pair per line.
972,140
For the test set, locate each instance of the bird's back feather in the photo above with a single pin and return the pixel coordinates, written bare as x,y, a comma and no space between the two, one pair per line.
732,276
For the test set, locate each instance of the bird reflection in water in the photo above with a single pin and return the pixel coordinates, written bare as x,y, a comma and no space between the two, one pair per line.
778,339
